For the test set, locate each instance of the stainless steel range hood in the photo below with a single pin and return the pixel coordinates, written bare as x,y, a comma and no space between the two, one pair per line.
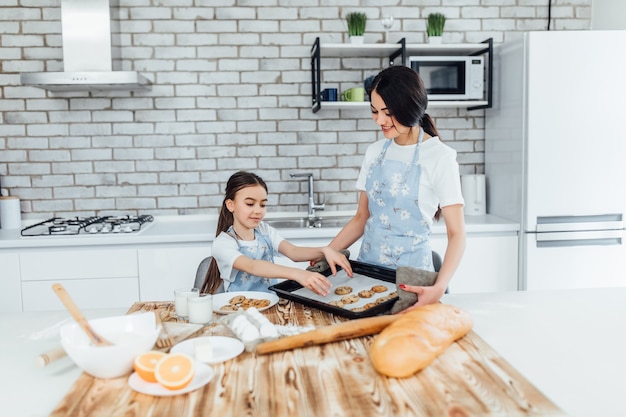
87,63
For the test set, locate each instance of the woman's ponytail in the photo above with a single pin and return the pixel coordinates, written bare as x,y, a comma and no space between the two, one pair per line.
428,124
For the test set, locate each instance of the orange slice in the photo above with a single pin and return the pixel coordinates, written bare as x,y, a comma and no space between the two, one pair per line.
175,371
145,364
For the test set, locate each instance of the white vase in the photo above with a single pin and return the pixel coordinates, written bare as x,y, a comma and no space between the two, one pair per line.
356,39
434,39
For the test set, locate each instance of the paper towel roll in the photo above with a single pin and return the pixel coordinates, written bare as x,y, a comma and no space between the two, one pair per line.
10,213
474,193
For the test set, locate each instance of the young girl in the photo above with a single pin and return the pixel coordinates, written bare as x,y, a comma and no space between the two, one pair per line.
244,246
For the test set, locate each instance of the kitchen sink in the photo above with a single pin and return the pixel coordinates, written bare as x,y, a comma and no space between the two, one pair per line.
305,222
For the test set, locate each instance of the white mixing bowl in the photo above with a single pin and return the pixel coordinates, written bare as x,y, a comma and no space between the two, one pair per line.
131,335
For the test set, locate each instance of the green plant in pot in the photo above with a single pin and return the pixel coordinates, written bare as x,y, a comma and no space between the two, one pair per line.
434,26
356,26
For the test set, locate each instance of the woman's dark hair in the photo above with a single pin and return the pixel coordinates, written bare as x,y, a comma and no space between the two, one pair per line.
403,91
404,94
236,182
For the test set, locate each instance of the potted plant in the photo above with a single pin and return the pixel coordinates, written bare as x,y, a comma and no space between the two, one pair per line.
356,26
434,27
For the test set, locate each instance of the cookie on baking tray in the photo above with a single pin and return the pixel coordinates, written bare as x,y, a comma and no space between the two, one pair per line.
349,299
366,294
343,290
379,288
336,303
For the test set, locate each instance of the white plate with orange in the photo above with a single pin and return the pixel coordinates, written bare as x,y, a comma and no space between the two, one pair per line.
203,376
173,374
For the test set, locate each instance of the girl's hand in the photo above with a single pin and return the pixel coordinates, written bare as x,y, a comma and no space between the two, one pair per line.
314,281
336,258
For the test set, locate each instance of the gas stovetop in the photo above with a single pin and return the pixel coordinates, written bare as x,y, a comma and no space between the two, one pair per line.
96,225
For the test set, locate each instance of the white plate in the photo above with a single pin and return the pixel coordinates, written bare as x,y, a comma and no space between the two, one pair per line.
224,348
223,299
203,375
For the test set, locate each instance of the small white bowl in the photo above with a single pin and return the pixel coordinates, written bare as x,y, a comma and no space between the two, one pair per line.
131,335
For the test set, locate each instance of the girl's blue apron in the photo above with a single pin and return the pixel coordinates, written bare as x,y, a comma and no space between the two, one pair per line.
262,250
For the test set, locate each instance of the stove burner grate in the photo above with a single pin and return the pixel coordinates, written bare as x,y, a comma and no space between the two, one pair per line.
92,225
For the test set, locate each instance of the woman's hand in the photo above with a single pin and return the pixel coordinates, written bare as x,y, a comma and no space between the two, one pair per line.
336,258
314,281
425,295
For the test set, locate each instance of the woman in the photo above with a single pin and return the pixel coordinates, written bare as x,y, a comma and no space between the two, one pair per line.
406,180
244,248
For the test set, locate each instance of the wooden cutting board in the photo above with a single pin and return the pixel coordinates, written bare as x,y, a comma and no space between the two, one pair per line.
468,379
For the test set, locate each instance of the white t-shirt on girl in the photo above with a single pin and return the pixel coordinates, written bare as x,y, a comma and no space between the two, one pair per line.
225,250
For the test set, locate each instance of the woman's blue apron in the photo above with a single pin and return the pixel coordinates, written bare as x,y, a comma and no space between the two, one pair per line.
396,233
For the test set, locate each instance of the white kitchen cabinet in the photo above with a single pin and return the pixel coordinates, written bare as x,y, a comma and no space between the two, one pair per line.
11,294
86,293
94,277
116,271
489,263
164,269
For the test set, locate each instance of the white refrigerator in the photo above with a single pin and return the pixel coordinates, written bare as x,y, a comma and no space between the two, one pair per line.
555,155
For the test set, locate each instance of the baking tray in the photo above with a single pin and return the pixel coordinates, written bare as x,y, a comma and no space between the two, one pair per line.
365,276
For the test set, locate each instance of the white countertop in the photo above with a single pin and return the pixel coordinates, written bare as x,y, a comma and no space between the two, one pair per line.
569,344
201,229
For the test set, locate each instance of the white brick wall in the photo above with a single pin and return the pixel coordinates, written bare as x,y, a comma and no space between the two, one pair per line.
231,91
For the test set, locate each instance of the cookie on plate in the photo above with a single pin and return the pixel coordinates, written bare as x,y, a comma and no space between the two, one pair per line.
343,290
263,302
236,299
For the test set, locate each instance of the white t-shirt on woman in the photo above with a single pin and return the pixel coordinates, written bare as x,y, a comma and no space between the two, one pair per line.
440,182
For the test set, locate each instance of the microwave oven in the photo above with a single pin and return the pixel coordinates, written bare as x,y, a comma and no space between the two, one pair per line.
451,77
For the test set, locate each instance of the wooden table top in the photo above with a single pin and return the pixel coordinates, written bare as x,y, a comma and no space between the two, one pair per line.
335,379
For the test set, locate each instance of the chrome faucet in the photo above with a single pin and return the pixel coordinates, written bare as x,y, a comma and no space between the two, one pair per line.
312,206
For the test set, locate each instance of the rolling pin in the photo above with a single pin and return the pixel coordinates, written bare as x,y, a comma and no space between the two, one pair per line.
342,331
50,356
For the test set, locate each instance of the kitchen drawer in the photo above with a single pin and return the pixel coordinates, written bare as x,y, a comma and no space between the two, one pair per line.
10,292
86,293
489,263
78,264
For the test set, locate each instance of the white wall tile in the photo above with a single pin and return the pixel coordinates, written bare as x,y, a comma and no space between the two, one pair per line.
231,91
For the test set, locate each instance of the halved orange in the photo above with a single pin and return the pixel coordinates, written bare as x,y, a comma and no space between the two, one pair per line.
175,371
145,364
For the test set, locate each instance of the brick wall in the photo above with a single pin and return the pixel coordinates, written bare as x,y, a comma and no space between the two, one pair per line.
231,91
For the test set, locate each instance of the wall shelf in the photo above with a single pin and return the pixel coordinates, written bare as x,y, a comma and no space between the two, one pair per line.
352,105
394,51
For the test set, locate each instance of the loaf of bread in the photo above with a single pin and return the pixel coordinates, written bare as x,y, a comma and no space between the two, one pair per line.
416,338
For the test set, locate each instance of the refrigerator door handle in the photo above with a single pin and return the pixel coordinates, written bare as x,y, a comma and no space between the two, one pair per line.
582,238
579,223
